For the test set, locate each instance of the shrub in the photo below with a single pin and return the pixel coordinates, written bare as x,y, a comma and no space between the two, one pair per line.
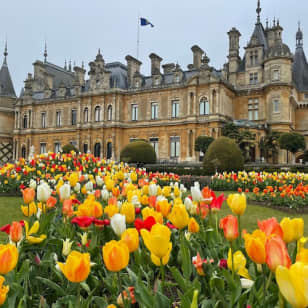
202,143
68,148
223,154
138,152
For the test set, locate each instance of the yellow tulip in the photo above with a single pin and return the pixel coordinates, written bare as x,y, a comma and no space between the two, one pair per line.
3,291
158,243
255,246
8,258
29,210
239,263
77,266
147,211
73,179
115,255
193,226
131,238
34,229
293,229
111,209
163,207
237,203
179,216
128,210
293,284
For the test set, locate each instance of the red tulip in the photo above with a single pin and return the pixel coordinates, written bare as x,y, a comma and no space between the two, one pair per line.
270,227
83,221
230,226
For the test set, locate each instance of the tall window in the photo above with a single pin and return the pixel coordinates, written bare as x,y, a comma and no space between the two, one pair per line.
174,146
276,75
204,106
256,57
253,78
97,114
135,112
154,143
253,109
175,109
74,116
57,147
154,111
25,121
86,115
85,148
43,147
74,143
58,118
43,119
109,113
276,106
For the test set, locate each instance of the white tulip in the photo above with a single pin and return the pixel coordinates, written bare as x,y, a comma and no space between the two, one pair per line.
67,245
117,223
77,187
43,192
188,204
65,191
183,188
160,198
135,201
99,181
246,283
153,189
105,194
89,186
196,193
32,184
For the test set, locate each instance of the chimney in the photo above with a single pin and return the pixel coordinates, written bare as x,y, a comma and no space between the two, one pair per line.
133,66
168,68
155,63
80,73
197,53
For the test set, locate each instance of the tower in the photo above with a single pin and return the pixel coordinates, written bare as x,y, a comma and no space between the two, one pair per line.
234,50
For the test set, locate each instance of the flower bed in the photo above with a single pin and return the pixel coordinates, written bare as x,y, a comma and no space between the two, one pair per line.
106,235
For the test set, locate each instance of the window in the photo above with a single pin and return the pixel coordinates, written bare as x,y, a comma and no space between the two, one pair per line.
156,81
276,76
256,57
43,147
174,146
74,143
25,121
154,111
251,58
154,143
97,114
58,118
177,78
57,147
86,115
204,106
134,112
306,95
276,106
175,109
85,148
109,113
74,116
253,78
137,84
253,109
43,119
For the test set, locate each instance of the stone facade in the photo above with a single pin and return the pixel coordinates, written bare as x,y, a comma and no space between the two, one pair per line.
266,89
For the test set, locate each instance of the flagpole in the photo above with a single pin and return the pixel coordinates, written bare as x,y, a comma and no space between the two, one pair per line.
138,36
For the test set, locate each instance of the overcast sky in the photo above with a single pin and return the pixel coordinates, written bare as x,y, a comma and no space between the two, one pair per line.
75,29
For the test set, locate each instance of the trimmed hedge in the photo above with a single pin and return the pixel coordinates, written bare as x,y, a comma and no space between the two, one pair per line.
68,148
138,152
222,155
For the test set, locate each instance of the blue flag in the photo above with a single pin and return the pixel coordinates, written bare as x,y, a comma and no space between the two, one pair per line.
145,22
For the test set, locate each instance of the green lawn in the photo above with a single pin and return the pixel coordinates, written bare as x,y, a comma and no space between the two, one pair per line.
10,210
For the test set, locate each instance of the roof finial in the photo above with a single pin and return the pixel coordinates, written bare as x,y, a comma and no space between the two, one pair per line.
299,36
274,22
70,65
65,67
258,10
45,53
266,23
82,64
99,51
5,52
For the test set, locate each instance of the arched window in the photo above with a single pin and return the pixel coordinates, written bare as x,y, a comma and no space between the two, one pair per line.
23,152
97,114
85,148
109,113
25,121
86,115
204,106
97,150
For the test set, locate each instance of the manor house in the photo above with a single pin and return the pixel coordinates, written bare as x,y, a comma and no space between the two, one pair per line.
114,103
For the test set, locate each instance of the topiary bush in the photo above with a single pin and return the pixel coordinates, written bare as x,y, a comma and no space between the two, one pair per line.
138,152
223,154
68,148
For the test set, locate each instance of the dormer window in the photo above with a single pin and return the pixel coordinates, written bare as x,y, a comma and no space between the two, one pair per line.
253,78
137,84
177,78
156,81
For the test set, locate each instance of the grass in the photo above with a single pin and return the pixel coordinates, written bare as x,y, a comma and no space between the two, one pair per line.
10,211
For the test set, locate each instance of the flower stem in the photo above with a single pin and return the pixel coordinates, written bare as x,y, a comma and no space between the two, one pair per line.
121,289
239,230
78,296
162,272
232,257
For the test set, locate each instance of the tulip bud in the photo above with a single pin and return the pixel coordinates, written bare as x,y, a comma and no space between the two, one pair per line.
32,184
16,231
246,283
84,238
67,244
118,224
65,191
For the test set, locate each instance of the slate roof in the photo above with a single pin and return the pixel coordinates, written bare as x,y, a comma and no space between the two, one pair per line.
260,36
60,75
118,76
6,84
300,70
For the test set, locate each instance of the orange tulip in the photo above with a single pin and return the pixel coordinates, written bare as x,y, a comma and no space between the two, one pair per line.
51,202
131,238
163,207
77,266
8,258
230,226
16,231
276,253
130,298
193,226
115,255
255,246
271,227
3,291
67,208
28,195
